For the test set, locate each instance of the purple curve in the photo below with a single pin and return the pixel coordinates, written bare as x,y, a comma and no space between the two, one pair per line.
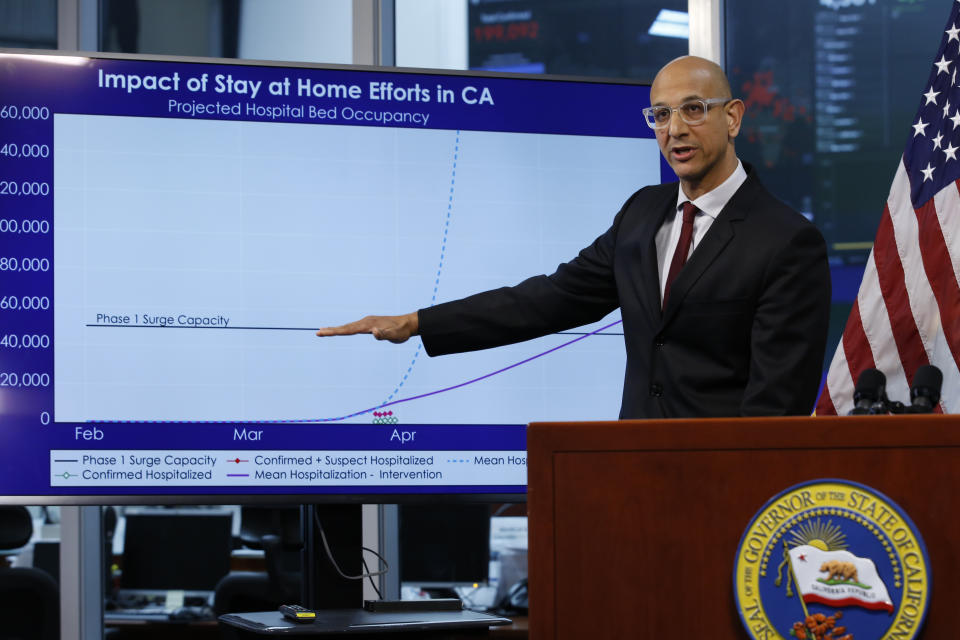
478,379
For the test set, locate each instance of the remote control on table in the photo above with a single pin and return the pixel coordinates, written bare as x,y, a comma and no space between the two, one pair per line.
297,613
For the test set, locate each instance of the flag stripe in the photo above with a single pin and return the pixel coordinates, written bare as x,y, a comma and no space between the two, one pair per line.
894,289
847,602
841,375
856,347
947,203
879,333
943,283
907,233
943,360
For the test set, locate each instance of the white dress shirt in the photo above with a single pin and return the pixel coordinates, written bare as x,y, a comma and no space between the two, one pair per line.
709,206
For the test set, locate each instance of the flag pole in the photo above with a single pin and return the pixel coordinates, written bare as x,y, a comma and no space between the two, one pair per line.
803,604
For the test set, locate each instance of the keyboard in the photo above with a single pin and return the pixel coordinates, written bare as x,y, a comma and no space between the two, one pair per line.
146,614
159,614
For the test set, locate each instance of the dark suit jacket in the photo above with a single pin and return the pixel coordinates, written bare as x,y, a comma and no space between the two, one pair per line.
744,330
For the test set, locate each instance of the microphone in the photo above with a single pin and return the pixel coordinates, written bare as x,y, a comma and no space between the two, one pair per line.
870,394
925,391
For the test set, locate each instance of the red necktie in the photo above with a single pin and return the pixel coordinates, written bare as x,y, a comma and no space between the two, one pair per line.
683,248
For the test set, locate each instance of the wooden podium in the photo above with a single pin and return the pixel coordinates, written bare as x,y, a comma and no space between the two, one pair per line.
634,526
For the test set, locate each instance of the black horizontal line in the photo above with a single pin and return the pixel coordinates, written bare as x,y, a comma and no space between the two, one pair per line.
169,326
588,333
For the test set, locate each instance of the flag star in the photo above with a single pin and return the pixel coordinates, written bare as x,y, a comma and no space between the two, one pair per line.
931,96
951,151
956,117
937,141
954,34
927,173
918,129
942,65
946,109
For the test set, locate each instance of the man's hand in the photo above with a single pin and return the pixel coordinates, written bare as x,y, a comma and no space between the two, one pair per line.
396,329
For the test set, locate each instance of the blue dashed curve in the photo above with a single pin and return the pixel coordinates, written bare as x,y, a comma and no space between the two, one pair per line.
443,251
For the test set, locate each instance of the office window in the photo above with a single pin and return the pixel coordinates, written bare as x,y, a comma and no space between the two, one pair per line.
289,30
173,27
28,24
609,38
831,89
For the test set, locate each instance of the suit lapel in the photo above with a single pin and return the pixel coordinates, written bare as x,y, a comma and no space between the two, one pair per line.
714,242
649,277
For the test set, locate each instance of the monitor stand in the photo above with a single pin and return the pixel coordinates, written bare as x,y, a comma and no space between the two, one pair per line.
322,587
341,600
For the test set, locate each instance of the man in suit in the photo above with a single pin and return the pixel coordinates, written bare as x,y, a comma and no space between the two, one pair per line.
724,290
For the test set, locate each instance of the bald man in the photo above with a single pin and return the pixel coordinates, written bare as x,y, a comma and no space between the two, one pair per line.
724,290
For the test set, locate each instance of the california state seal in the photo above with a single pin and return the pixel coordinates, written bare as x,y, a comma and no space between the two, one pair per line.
831,560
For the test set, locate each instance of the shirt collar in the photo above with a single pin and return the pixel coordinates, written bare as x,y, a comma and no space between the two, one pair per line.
713,202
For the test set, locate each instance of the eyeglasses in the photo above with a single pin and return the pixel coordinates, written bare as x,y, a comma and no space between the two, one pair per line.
691,112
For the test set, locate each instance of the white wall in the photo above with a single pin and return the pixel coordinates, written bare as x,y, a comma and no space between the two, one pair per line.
431,33
297,30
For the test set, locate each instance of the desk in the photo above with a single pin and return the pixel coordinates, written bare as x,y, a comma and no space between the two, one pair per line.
358,623
518,629
124,629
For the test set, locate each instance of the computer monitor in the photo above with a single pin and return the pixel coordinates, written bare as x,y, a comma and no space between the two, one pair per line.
46,556
443,546
174,230
176,550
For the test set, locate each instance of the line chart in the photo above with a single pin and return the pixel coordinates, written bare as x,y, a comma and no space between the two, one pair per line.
387,403
284,228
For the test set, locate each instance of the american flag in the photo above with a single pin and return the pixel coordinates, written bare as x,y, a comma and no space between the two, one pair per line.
907,311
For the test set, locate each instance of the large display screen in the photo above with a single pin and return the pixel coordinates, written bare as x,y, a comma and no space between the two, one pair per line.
172,233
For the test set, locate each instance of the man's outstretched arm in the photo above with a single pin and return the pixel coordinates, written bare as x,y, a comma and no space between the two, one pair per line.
393,328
